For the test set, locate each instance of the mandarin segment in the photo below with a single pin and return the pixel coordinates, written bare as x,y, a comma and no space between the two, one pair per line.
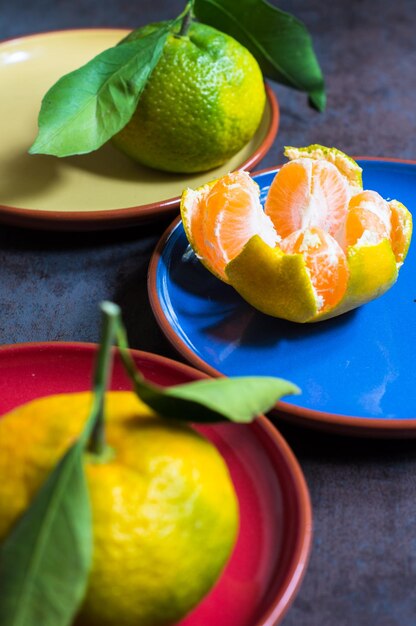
330,197
222,217
325,262
401,230
369,200
192,206
307,193
364,225
233,214
344,163
289,196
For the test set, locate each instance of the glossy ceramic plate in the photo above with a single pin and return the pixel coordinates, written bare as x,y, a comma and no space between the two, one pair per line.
99,190
356,371
270,557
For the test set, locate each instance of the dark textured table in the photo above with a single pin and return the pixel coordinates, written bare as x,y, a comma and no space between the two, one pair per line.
362,570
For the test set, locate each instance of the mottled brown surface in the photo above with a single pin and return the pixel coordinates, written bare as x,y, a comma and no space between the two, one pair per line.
363,566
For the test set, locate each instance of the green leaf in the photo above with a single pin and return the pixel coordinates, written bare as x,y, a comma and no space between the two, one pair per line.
238,399
45,560
85,108
279,41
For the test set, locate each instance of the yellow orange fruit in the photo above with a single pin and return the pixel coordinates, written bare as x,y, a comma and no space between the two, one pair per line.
165,514
203,102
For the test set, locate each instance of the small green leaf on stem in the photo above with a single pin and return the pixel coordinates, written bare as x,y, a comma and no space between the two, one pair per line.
280,42
85,108
238,399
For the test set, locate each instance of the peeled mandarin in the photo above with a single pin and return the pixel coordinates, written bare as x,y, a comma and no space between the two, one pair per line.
323,245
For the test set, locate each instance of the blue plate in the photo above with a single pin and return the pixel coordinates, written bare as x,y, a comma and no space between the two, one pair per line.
356,371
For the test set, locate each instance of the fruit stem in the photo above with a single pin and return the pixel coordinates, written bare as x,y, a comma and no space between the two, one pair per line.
186,22
128,363
187,18
102,371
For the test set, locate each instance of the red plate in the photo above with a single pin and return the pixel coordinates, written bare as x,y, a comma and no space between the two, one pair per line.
271,554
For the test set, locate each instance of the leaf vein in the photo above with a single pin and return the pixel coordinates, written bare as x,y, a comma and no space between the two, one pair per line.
36,555
257,44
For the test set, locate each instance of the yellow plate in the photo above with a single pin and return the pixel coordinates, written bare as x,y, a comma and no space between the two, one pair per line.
99,190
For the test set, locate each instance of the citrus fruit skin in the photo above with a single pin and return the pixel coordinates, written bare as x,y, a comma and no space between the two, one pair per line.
203,102
165,514
279,285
